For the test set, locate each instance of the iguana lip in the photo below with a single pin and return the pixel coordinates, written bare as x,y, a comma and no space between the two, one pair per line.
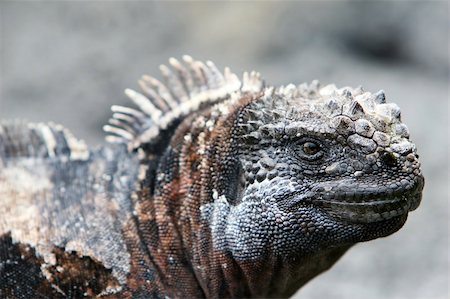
369,205
370,211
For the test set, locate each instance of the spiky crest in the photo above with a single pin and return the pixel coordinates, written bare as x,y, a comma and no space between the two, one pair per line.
189,86
24,140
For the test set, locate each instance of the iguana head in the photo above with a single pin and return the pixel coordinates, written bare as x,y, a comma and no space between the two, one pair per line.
322,167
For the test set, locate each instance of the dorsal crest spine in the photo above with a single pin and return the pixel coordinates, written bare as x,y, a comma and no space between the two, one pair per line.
189,86
39,140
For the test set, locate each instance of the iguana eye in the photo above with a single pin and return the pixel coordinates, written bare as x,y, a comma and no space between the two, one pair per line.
310,148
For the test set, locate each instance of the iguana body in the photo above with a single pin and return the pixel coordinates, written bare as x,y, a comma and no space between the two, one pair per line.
212,188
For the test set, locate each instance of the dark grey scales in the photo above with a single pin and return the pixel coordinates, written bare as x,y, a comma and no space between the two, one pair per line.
213,187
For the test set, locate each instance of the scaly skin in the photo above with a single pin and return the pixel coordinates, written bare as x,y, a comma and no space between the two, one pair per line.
214,188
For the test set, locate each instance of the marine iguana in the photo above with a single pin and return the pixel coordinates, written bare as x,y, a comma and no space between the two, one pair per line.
212,187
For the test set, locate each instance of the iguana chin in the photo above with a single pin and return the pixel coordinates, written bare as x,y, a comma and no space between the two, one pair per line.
213,187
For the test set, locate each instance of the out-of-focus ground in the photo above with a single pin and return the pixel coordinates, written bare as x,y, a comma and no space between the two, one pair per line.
68,62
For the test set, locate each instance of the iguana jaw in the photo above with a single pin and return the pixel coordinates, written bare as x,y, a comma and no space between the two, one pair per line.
366,205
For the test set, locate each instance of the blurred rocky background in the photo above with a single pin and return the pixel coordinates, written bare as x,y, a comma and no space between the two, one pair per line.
68,62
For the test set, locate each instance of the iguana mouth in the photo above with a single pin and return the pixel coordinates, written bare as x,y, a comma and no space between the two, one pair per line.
370,205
